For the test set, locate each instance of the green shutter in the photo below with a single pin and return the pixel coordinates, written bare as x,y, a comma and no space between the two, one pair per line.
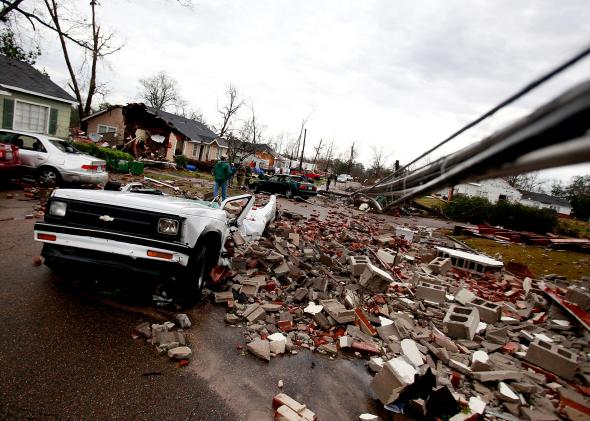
8,115
53,121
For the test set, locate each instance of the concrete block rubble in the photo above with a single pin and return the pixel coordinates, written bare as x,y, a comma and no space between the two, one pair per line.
168,338
441,341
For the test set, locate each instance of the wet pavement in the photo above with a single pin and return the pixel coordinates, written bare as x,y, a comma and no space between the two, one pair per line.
64,354
67,350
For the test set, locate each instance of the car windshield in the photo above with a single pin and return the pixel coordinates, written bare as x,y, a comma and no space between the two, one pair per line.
64,146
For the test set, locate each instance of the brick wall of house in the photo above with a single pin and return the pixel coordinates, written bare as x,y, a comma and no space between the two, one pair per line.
112,118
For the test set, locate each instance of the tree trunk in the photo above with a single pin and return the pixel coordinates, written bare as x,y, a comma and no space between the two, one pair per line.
52,9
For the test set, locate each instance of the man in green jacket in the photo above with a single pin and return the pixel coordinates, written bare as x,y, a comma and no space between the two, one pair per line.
221,172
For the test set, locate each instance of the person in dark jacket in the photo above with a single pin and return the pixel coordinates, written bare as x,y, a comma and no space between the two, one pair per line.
222,173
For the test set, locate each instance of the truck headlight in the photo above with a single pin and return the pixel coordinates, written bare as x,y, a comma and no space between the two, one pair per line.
168,226
58,208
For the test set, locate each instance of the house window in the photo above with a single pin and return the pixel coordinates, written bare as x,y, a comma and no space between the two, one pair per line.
30,117
195,149
102,128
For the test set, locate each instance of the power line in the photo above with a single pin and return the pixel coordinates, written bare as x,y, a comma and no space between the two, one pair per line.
528,88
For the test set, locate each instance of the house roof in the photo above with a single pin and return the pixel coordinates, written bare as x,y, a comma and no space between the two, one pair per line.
20,76
190,128
112,107
545,199
260,147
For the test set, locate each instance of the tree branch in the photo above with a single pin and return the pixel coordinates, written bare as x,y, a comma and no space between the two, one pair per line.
9,7
32,17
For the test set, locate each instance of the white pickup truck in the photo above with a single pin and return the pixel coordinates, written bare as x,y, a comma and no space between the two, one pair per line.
141,231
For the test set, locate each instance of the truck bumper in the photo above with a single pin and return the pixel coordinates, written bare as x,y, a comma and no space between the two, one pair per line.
92,261
103,249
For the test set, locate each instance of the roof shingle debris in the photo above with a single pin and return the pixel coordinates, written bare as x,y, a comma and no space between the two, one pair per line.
493,345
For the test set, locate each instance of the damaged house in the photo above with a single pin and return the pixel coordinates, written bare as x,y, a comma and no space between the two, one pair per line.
155,134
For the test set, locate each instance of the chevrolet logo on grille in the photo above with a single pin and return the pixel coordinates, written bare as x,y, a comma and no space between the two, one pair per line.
106,218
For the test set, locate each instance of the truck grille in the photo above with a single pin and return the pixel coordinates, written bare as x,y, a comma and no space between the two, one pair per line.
114,219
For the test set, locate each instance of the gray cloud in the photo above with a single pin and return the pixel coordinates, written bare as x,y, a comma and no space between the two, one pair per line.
403,73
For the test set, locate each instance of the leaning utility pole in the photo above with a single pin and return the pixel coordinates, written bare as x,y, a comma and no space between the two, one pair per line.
302,150
351,159
317,153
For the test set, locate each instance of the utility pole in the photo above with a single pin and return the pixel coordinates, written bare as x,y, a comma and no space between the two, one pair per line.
351,160
317,152
302,150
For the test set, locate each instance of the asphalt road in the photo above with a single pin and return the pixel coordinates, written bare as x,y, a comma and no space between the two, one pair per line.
66,351
65,354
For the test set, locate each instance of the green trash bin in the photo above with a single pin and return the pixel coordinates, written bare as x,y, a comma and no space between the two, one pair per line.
122,166
136,168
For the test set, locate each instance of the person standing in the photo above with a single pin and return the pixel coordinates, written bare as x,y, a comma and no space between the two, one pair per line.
241,174
248,176
329,180
232,172
222,173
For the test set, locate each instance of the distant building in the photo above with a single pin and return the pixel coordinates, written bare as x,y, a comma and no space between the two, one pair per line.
542,200
30,101
493,190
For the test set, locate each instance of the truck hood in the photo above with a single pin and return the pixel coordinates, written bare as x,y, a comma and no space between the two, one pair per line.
164,204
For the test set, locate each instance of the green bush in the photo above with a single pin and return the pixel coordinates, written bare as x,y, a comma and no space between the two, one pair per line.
181,161
477,210
103,153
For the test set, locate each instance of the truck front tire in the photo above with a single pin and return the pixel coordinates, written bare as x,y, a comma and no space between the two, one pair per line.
192,282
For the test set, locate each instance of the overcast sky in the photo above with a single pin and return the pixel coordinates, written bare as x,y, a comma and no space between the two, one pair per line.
402,74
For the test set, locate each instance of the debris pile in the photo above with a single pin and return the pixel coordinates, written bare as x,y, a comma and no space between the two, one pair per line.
288,409
443,339
166,340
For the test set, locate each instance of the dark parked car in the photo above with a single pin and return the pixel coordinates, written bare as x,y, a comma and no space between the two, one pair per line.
288,185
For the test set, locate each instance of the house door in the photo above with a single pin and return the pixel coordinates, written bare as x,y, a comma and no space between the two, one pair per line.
201,152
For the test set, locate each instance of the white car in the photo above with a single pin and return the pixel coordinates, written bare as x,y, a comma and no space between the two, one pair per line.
139,231
343,178
52,160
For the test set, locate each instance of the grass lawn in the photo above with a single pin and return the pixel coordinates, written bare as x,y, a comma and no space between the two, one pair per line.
573,228
538,259
430,202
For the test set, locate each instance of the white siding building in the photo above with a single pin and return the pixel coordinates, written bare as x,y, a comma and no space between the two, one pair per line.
541,200
493,190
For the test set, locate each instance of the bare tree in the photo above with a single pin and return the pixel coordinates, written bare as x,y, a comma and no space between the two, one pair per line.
247,141
159,91
527,182
100,46
279,142
9,6
378,161
183,109
14,9
229,110
251,130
